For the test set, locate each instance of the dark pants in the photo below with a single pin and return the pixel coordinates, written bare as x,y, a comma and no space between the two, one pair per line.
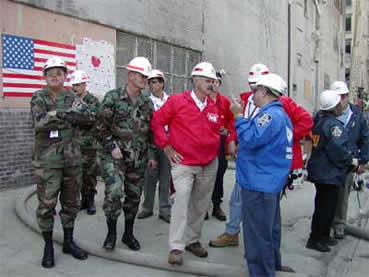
261,222
222,167
325,207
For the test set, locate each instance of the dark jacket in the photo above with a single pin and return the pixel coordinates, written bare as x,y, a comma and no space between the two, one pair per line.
331,157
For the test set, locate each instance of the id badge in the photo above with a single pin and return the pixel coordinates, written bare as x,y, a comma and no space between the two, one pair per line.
54,134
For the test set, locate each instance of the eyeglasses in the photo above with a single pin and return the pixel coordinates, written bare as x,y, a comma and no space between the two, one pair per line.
155,82
208,81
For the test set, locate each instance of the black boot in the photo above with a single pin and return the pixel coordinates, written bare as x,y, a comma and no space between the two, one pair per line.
69,247
84,203
218,213
128,237
111,237
48,258
91,209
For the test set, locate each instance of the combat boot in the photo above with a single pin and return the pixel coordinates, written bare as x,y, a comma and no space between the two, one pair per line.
48,258
128,237
218,213
69,246
91,209
111,237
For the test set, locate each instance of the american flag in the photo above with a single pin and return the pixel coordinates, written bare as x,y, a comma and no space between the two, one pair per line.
23,60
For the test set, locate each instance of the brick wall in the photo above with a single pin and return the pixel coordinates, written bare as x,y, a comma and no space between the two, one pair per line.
16,141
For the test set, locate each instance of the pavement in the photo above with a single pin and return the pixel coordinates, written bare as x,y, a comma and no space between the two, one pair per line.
21,247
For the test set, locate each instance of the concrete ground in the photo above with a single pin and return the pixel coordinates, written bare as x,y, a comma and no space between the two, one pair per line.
21,248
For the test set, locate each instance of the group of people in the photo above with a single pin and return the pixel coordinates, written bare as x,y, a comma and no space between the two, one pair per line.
182,140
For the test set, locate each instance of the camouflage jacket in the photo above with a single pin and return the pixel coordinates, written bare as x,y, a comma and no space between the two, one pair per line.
122,123
87,139
56,130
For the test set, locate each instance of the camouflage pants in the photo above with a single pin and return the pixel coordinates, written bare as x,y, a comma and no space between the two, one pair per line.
52,183
119,175
89,171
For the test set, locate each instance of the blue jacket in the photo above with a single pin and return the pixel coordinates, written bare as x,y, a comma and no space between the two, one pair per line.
264,155
358,134
331,156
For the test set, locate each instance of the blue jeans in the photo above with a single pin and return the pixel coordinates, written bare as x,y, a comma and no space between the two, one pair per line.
261,220
235,208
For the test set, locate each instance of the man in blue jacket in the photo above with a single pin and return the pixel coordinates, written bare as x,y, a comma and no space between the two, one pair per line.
330,162
262,166
357,131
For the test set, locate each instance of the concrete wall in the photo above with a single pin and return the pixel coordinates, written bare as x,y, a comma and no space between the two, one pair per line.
232,34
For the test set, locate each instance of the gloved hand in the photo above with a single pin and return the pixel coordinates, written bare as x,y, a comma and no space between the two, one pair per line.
51,113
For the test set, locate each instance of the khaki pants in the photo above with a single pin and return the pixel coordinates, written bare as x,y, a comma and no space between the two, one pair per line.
342,202
194,186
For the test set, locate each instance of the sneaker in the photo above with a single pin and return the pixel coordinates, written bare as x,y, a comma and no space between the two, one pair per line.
175,257
144,214
225,240
330,241
196,249
317,245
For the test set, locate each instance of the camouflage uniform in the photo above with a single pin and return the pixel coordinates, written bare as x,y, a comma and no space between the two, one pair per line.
127,125
57,156
88,149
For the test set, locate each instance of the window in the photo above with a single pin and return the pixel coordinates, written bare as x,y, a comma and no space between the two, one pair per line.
348,23
176,62
348,46
348,3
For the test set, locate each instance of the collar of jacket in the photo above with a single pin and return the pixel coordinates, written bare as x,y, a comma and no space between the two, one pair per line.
269,105
187,95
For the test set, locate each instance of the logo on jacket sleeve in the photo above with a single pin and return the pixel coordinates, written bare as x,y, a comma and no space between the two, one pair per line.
336,131
289,134
212,117
264,119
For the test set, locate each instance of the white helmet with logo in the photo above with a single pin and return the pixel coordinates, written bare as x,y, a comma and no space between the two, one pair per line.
329,99
156,74
274,83
55,62
140,65
204,69
78,77
339,87
256,71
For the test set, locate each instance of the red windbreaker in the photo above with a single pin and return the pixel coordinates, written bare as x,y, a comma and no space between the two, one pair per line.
192,133
301,123
226,117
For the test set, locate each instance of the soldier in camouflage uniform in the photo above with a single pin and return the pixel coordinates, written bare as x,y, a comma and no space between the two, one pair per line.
123,130
57,158
88,144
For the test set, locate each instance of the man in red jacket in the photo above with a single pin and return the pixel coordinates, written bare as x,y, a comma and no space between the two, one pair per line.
227,145
192,147
302,124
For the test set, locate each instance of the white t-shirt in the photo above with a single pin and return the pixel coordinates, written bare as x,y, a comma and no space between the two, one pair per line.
157,102
251,110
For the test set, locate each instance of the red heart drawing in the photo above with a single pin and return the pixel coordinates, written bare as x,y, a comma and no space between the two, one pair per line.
95,61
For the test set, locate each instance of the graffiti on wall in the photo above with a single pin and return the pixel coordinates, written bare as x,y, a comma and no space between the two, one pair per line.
96,58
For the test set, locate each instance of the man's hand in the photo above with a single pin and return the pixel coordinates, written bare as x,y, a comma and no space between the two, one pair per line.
236,109
152,164
224,131
172,155
232,149
52,113
116,153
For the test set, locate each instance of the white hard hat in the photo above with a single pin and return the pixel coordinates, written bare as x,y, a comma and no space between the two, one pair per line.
156,74
274,83
55,62
204,69
140,65
339,87
256,71
78,77
329,99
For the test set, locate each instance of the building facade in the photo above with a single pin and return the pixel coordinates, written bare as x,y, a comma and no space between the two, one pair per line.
302,40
